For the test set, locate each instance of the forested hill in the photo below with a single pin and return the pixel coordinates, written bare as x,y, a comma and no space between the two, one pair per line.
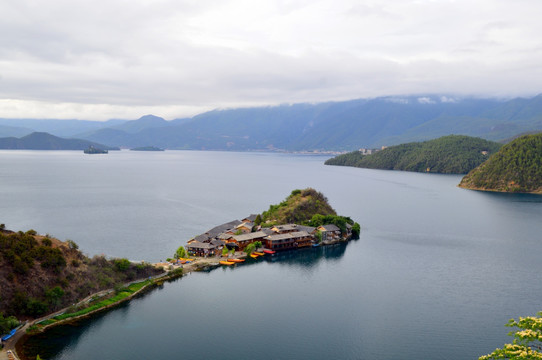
41,274
45,141
306,207
453,154
299,208
517,167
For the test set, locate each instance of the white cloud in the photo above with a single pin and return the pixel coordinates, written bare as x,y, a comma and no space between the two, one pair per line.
102,59
447,99
425,100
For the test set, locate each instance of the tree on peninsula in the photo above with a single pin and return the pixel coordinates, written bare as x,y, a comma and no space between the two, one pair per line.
250,249
181,252
527,343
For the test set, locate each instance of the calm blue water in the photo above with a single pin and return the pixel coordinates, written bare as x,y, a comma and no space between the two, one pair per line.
436,274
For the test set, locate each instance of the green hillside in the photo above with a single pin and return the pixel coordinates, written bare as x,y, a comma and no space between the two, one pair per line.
453,154
307,207
298,208
45,141
517,167
41,274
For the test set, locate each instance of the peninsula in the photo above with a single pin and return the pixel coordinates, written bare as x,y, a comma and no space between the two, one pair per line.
517,167
303,219
48,282
453,154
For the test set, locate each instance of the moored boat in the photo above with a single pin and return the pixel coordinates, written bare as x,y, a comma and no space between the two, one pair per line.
254,256
258,253
229,263
267,251
236,260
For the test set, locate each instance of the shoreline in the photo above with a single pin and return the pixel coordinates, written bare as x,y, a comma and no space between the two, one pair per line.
498,191
15,343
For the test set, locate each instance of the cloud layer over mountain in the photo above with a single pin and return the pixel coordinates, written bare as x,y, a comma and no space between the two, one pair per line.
119,59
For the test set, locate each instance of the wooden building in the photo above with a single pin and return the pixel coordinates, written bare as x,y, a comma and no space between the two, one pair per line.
244,239
287,241
330,232
196,248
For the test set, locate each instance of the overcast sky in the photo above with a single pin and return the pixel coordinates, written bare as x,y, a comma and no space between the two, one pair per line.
99,59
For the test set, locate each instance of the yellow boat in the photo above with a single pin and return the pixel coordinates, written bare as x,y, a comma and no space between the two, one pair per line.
236,260
186,259
254,256
226,263
258,253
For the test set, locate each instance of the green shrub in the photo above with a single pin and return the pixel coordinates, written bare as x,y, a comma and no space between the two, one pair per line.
122,264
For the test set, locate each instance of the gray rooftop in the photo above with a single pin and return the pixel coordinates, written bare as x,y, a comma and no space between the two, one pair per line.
308,229
331,227
250,236
286,227
200,245
292,235
222,228
251,217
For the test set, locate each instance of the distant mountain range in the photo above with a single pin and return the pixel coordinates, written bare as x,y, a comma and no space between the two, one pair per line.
339,126
45,141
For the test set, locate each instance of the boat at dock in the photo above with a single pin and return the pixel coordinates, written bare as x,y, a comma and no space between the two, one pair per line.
228,263
258,253
254,256
8,336
236,260
270,252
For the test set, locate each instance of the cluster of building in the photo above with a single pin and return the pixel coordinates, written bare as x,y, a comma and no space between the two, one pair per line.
364,151
238,234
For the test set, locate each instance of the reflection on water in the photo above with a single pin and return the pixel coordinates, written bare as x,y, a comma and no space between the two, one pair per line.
59,339
308,257
55,340
510,197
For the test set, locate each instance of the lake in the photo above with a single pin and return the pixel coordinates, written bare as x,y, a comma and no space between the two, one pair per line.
436,274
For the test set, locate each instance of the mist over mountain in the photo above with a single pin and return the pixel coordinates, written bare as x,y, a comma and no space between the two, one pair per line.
344,125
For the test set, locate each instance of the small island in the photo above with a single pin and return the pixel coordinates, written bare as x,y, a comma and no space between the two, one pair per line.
147,148
94,150
453,154
516,168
